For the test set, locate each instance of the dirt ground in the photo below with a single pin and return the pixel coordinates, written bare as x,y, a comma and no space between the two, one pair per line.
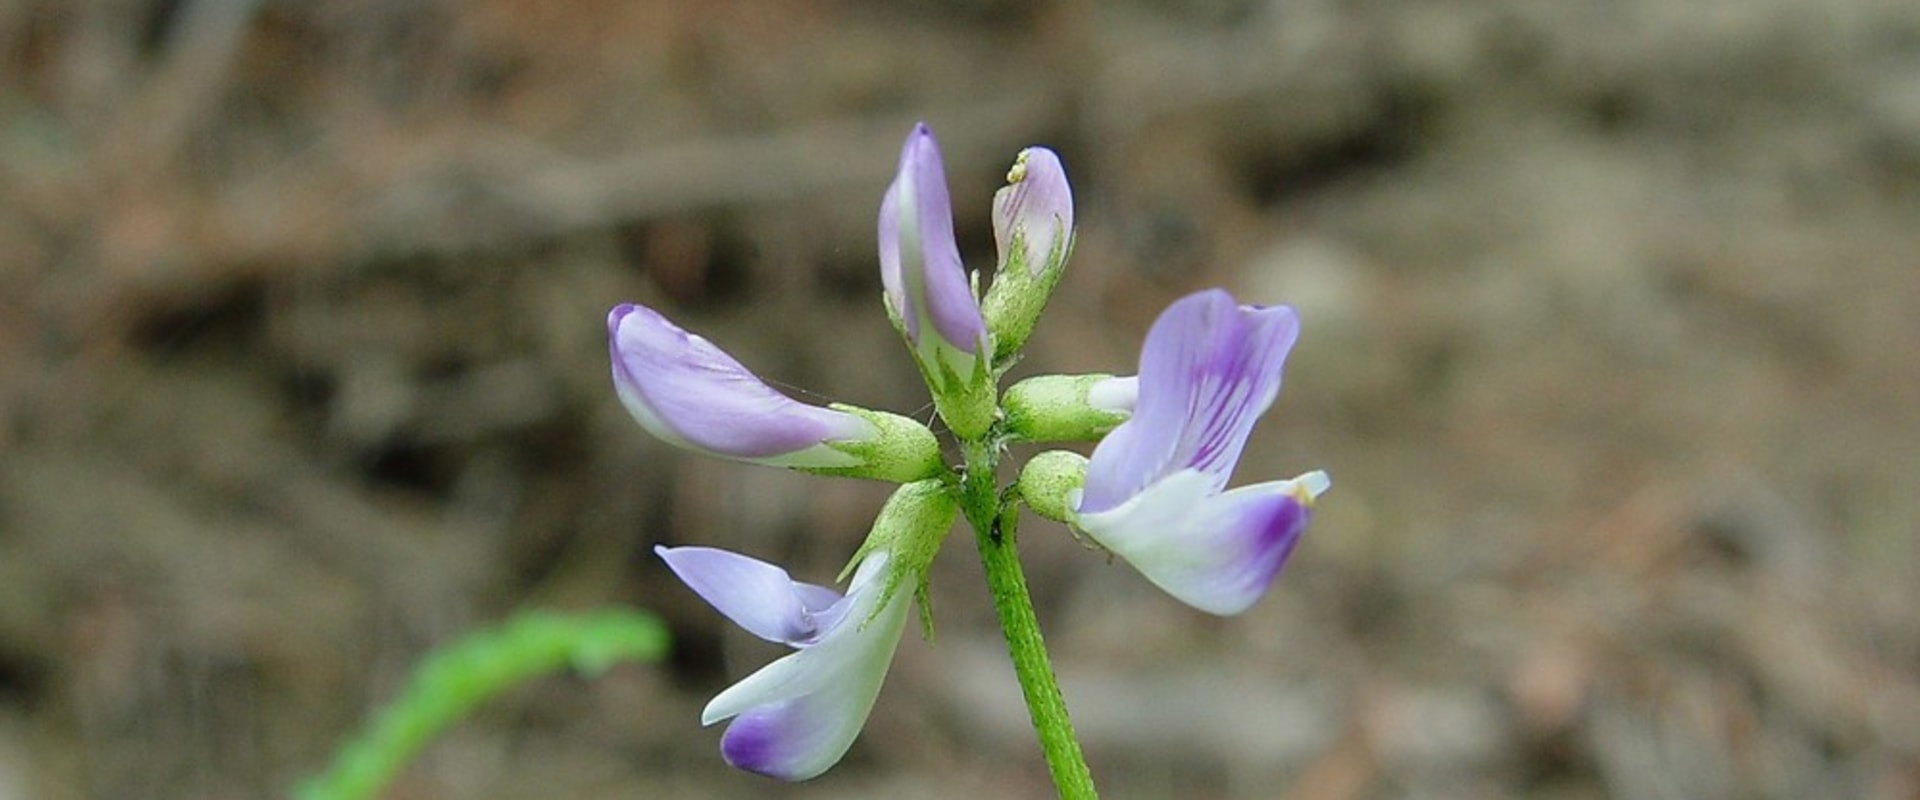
1610,348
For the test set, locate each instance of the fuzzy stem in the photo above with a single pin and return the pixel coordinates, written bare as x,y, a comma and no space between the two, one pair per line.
995,526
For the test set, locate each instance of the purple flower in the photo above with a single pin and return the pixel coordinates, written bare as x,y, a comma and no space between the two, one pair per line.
1155,489
920,265
684,390
1033,228
1033,214
797,716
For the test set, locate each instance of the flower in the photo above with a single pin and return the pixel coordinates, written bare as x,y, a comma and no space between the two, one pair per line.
1155,487
927,289
1033,230
1033,213
920,261
683,389
795,717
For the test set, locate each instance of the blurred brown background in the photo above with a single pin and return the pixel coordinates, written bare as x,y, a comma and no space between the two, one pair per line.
1610,347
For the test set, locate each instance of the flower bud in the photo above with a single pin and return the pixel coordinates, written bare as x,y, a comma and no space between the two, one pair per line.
1067,408
683,389
927,290
1050,483
1033,226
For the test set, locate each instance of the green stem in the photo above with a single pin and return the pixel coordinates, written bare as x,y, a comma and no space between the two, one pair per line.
459,676
995,527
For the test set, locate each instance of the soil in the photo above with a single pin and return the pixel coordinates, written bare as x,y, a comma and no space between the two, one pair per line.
1609,346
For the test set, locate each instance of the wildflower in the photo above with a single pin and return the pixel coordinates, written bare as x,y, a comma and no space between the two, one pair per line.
927,289
683,389
795,717
1155,490
1033,229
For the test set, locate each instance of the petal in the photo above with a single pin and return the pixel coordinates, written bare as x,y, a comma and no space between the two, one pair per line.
1215,552
919,258
1035,207
756,595
683,389
797,716
1208,370
1115,394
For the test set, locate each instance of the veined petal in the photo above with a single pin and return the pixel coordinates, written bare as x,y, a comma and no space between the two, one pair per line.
756,595
797,716
920,260
1215,552
1209,369
683,389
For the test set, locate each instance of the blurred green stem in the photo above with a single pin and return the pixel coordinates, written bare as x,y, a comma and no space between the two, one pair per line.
457,677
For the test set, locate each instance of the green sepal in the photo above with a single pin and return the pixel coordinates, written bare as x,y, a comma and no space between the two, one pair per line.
903,451
1018,294
910,528
967,402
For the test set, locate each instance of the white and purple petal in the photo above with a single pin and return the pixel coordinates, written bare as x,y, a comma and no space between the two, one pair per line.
683,389
1154,491
1035,209
756,595
1209,369
1217,552
920,264
797,716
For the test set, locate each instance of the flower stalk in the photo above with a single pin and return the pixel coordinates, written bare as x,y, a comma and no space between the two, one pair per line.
996,525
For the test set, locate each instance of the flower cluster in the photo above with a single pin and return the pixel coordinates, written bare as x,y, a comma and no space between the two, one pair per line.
1154,491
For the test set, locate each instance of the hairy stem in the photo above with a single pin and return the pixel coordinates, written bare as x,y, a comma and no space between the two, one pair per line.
995,526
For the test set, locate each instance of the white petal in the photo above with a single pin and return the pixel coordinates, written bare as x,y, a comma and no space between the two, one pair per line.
794,675
1217,553
1115,394
798,715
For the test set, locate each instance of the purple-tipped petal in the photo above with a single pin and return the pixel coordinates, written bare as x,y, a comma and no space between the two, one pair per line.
1209,369
919,259
756,595
1153,492
1036,207
683,389
797,716
1215,552
802,737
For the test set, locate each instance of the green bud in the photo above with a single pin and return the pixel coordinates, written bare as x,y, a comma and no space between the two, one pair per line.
1067,408
1049,481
